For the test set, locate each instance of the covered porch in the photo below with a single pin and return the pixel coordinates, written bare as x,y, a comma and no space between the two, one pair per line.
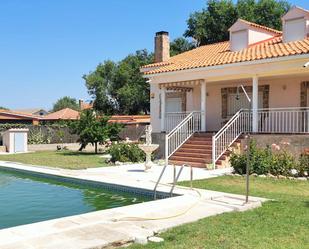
278,104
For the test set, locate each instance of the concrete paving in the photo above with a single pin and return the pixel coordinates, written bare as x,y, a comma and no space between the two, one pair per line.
118,226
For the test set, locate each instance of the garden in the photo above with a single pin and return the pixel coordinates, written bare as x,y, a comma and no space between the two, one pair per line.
91,131
273,161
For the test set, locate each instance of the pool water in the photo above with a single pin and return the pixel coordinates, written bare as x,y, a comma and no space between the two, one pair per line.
26,199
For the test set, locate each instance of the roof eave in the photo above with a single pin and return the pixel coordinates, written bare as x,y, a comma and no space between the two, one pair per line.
244,63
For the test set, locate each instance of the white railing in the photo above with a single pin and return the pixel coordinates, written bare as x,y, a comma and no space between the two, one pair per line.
181,133
172,119
283,120
270,120
226,136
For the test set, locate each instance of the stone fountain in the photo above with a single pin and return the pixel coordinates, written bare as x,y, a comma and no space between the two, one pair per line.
148,148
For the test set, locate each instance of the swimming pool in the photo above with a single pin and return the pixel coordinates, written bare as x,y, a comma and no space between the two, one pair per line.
25,198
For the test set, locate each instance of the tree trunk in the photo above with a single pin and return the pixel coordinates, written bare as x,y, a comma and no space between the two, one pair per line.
96,148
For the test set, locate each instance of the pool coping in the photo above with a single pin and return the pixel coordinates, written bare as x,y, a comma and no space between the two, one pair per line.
189,204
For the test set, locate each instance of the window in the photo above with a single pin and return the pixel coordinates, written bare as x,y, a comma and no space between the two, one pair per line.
174,104
234,105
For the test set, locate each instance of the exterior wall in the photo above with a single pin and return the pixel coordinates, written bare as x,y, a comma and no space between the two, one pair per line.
257,35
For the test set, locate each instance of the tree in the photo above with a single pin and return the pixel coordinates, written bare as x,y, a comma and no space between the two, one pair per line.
180,45
65,102
94,130
211,24
3,108
119,88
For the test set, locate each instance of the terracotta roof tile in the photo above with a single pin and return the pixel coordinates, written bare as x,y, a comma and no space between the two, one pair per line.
261,26
220,54
64,114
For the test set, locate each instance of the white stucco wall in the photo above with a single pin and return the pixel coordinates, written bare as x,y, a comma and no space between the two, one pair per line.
256,36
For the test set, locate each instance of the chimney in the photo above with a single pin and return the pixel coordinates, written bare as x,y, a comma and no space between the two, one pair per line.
162,46
81,104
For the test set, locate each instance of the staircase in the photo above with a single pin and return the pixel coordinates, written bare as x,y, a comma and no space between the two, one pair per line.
197,151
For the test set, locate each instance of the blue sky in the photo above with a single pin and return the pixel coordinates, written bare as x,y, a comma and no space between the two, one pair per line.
46,46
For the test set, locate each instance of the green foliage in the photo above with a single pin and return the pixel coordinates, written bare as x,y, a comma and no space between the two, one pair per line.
93,130
3,108
303,166
212,23
119,88
259,160
6,126
126,153
180,45
66,102
264,161
37,136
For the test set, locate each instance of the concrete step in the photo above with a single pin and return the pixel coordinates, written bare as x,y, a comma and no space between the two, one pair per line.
197,146
191,159
193,150
200,138
188,154
203,134
200,142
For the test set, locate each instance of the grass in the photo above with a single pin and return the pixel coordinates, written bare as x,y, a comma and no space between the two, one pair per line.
61,159
281,223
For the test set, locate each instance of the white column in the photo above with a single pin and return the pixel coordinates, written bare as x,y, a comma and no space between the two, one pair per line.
255,104
162,109
203,105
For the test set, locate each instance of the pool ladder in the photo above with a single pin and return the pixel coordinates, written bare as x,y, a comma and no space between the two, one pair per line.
175,179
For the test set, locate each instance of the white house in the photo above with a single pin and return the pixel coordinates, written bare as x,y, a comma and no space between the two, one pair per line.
198,103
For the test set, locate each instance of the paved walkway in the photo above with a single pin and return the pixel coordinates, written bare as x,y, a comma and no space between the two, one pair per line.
124,224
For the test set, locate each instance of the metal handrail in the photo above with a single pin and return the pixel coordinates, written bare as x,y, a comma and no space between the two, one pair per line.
175,180
182,132
230,132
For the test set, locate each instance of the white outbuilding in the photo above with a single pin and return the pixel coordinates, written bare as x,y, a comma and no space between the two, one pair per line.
16,140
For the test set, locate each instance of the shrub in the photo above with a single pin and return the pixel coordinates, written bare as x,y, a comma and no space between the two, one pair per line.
259,160
37,136
126,153
282,163
266,160
303,165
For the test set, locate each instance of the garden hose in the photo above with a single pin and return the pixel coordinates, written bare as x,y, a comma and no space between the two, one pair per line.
164,217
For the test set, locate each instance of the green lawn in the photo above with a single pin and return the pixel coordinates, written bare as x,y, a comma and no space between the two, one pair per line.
61,159
282,223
